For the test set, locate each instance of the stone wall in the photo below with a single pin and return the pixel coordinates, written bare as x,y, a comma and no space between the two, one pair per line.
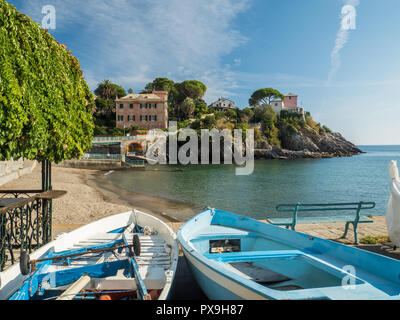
11,170
92,164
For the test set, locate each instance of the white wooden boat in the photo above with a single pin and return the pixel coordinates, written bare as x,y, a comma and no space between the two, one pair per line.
234,257
131,255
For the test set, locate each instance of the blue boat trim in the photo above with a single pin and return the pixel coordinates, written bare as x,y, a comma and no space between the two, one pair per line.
252,256
31,284
120,230
134,270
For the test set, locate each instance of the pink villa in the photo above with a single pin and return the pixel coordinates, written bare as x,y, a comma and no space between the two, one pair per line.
149,110
290,103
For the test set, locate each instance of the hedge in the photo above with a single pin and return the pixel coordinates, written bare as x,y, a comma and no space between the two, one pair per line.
45,104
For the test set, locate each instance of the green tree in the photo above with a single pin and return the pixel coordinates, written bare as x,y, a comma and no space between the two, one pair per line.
231,114
105,90
264,113
188,106
201,107
130,91
45,103
190,89
109,91
163,84
106,93
246,115
160,84
264,96
177,93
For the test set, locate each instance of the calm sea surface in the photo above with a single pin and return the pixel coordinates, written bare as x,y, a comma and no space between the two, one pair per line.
359,178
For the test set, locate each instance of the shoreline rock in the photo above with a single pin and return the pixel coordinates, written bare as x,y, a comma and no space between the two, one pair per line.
307,144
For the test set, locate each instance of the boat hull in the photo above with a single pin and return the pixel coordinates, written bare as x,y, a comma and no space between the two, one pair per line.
12,279
235,257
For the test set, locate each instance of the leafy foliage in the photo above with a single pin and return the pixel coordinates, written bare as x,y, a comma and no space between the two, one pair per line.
106,93
188,106
375,240
268,119
311,123
45,104
177,95
264,96
109,91
326,129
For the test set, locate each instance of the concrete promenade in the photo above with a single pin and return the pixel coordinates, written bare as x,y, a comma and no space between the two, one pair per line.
333,231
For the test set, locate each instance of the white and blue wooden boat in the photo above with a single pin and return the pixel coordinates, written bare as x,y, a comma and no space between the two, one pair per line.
131,255
235,257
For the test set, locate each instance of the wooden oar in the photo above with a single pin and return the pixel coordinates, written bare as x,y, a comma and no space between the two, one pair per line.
75,288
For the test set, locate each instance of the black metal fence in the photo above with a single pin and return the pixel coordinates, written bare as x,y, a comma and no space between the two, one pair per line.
26,218
24,225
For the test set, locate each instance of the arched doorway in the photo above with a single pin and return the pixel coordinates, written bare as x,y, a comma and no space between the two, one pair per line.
135,149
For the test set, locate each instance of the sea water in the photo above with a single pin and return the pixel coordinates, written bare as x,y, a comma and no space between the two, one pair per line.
363,177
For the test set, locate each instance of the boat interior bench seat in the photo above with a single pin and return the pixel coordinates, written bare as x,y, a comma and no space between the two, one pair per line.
217,231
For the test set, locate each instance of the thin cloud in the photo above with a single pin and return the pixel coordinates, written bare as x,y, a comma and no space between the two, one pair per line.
132,42
341,40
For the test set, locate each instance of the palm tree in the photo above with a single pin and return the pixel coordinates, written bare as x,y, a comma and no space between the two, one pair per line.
188,106
105,90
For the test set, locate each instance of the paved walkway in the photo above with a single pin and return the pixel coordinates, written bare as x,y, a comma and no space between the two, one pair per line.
334,231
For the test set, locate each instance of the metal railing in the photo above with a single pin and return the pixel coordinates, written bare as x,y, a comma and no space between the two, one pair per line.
25,224
150,133
101,156
137,163
100,139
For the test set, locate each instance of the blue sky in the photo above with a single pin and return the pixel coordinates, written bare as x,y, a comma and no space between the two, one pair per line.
238,46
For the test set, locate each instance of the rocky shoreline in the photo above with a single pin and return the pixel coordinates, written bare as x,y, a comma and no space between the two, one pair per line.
308,145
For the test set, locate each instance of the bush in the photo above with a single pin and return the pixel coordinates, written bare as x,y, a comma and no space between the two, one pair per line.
209,122
100,131
326,129
117,132
196,125
231,114
311,123
133,128
218,114
183,124
374,240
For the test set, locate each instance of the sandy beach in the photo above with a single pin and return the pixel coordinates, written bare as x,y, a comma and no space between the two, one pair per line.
82,203
90,196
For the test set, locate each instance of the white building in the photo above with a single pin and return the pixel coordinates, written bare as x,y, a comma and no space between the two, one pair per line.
277,105
288,104
223,104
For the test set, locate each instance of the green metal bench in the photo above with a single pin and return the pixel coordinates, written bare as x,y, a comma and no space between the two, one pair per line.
354,218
